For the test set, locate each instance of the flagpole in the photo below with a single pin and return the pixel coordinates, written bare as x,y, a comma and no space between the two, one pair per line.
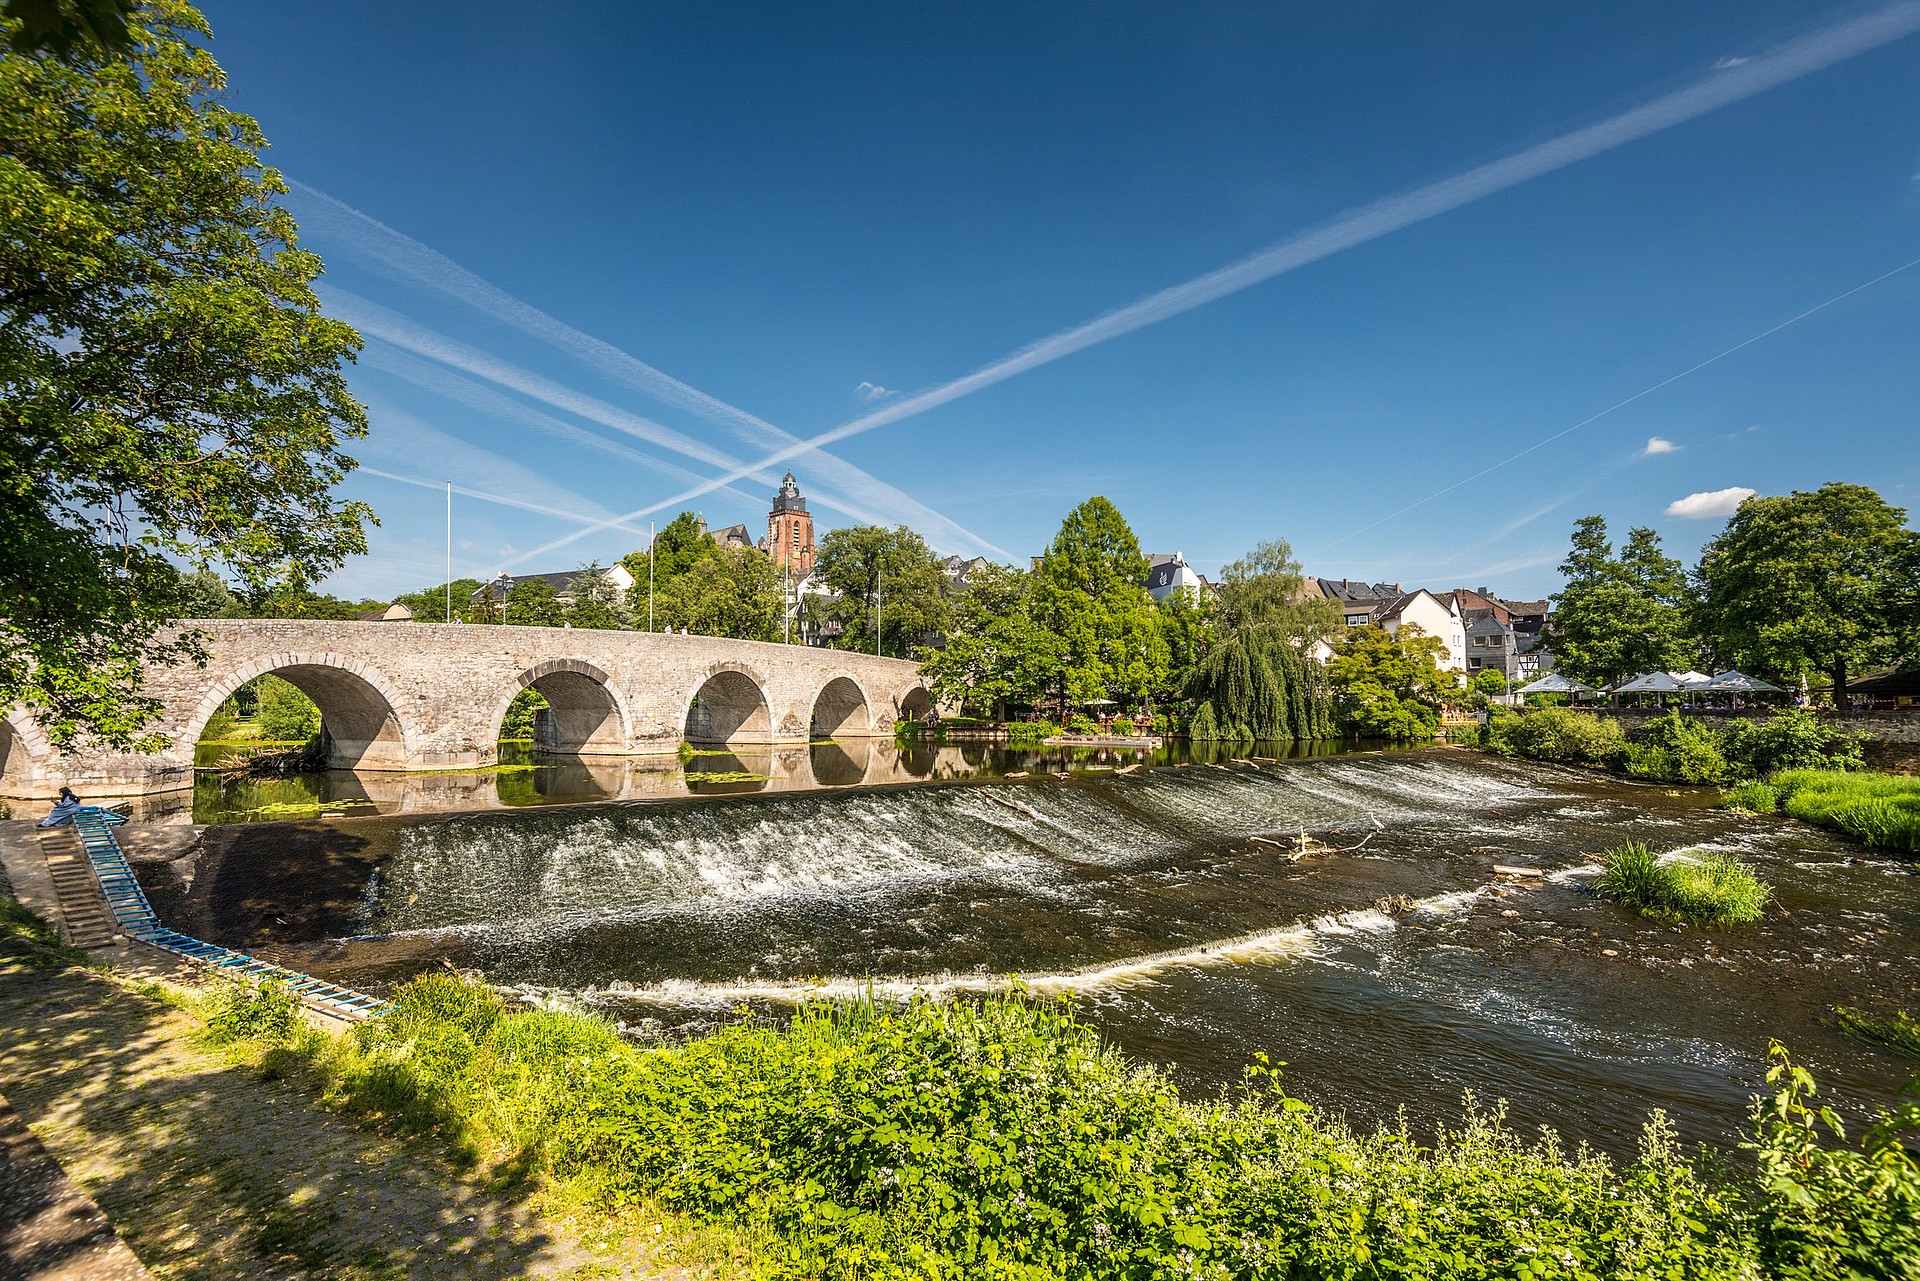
449,551
649,575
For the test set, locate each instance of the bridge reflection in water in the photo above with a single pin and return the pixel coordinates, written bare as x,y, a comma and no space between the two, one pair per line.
526,779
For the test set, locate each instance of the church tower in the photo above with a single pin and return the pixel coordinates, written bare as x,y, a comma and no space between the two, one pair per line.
790,529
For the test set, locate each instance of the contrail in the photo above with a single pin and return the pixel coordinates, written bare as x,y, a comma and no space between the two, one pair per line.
1619,404
1724,86
409,259
440,487
409,336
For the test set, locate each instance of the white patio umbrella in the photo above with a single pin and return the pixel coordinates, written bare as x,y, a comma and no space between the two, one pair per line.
1651,683
1731,682
1692,680
1555,683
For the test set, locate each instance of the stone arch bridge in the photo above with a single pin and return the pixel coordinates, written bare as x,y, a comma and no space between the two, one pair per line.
429,696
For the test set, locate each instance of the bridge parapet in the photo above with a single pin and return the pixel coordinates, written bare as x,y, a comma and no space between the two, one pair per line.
424,696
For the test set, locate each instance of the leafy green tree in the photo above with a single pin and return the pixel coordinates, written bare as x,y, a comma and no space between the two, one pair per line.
1489,681
517,724
682,541
429,604
996,655
1618,616
1391,684
1189,623
170,386
597,603
60,27
1827,581
533,602
298,602
204,594
1254,679
282,713
729,591
1090,591
912,589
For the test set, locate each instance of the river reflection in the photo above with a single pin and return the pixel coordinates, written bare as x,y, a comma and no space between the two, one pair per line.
524,779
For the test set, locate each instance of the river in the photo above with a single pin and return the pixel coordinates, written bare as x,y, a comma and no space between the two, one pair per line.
1397,970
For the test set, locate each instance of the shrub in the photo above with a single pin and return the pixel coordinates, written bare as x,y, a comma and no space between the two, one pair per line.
1083,724
1003,1139
265,1012
1558,734
1030,733
285,715
1674,749
1880,809
1897,1032
1709,889
1791,738
1123,724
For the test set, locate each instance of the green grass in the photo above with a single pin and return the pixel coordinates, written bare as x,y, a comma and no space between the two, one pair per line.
1879,809
1004,1139
1709,889
1897,1031
1753,796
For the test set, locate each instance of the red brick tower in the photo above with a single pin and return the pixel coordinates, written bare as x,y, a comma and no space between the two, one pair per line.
790,529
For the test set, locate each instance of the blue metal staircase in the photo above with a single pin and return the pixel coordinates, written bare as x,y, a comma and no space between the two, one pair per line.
134,915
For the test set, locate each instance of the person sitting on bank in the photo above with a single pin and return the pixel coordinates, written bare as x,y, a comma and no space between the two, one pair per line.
62,811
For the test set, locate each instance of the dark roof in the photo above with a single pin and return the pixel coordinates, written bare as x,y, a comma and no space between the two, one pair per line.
561,583
1358,593
734,535
1888,683
1487,624
1536,607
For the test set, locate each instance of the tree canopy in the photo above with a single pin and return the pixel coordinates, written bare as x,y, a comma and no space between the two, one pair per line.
1090,591
1390,684
1253,680
856,560
997,655
1618,616
1826,581
170,386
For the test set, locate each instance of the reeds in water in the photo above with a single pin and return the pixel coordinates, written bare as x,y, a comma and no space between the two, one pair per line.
1705,889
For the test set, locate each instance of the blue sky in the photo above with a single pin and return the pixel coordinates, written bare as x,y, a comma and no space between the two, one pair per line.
611,254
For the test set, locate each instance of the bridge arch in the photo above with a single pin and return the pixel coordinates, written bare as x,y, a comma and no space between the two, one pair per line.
730,705
915,703
24,751
586,715
841,707
360,720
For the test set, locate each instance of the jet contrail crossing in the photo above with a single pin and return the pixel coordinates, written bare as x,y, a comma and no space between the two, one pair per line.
1724,86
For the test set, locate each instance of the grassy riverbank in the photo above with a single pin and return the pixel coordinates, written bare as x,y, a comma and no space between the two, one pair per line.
1879,809
1003,1139
1705,889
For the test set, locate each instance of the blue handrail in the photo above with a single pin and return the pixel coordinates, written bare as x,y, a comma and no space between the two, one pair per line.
135,917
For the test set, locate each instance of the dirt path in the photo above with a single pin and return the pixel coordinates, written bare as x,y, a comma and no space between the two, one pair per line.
209,1172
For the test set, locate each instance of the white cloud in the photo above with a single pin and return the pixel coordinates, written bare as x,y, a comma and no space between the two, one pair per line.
873,391
1715,502
1658,445
1728,64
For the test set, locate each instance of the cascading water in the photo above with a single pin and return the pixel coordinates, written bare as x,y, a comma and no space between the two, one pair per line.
1400,969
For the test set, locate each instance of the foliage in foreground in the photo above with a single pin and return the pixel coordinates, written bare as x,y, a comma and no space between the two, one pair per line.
1704,889
1898,1031
1004,1140
172,391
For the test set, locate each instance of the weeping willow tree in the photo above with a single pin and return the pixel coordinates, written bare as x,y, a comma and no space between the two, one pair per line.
1255,682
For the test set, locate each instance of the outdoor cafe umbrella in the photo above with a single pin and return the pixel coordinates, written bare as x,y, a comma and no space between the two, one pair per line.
1731,682
1555,683
1651,683
1692,680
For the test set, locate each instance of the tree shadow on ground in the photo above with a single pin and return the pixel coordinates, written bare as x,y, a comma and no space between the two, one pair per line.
209,1171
